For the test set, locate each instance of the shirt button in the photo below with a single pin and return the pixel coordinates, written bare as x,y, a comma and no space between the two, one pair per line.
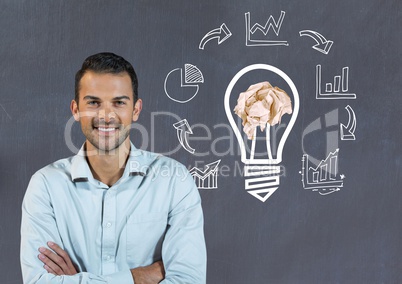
108,225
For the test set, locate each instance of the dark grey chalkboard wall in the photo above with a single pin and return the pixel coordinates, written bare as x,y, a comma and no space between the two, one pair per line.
298,235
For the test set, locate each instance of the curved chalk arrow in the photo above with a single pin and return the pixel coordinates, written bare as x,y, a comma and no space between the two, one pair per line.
183,129
351,127
323,45
222,33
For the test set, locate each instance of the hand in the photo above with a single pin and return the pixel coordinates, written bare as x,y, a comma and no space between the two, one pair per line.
56,262
150,274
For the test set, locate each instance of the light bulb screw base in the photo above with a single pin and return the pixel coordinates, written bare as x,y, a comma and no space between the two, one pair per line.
261,180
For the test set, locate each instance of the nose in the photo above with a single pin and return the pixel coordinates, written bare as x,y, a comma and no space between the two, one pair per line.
106,114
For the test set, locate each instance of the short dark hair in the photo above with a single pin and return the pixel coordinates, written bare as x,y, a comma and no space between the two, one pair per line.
106,62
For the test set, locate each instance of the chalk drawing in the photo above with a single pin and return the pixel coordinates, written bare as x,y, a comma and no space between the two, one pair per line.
222,33
348,131
183,130
262,175
324,178
257,35
207,178
323,45
338,89
192,77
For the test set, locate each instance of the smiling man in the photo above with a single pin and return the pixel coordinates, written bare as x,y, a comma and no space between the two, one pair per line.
111,214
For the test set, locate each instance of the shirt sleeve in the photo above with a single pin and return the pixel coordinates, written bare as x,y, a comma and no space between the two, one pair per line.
183,250
38,226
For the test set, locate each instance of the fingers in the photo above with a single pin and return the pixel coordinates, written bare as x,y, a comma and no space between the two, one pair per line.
64,255
49,264
57,262
48,269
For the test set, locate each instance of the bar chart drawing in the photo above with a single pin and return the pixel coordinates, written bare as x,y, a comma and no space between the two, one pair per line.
338,89
207,178
261,38
324,178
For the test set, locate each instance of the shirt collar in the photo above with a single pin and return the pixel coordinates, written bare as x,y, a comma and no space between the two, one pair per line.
137,164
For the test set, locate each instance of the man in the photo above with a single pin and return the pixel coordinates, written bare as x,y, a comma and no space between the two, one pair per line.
112,213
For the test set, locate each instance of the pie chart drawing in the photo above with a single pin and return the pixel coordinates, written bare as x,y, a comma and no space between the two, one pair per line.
182,84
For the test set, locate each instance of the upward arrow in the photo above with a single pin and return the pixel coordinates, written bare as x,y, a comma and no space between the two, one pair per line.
222,33
183,129
208,168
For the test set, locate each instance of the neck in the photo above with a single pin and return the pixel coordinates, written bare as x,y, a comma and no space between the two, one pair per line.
108,166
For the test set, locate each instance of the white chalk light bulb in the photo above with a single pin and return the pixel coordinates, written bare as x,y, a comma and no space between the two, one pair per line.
262,175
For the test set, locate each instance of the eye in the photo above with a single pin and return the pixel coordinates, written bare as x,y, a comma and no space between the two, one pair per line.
93,103
120,103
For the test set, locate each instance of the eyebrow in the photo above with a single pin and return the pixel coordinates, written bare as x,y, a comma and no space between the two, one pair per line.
114,99
121,98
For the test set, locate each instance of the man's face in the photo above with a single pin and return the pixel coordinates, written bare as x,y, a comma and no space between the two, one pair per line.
106,109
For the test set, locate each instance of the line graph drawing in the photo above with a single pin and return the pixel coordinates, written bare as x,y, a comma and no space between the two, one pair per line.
222,33
348,131
207,178
339,89
183,130
324,178
252,38
323,45
192,78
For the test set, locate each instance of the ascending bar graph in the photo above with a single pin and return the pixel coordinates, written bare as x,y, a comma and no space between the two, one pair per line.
337,89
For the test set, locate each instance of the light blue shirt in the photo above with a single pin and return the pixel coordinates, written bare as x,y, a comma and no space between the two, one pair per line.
152,212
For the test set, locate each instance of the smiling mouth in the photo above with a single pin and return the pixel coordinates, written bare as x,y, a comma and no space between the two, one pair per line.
106,130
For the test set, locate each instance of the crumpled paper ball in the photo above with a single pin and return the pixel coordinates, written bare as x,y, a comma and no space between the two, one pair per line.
262,104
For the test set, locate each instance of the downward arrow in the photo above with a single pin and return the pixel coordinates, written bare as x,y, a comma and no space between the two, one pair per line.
323,45
351,127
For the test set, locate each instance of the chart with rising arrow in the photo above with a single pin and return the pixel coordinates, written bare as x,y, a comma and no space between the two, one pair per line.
323,45
324,178
222,33
183,130
207,178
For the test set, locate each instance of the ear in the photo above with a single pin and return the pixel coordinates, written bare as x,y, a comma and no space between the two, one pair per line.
74,110
137,109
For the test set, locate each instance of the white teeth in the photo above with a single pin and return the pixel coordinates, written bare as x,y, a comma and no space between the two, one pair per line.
106,129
